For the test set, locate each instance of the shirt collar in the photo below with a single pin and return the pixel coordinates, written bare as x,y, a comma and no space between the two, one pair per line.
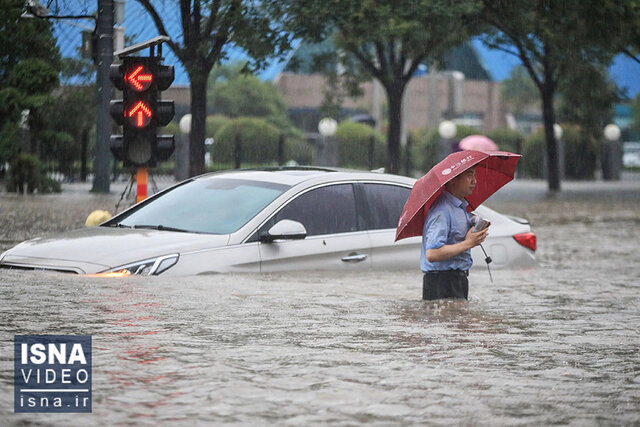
455,201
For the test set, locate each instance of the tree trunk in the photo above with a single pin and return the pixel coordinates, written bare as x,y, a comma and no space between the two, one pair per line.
553,157
394,98
198,124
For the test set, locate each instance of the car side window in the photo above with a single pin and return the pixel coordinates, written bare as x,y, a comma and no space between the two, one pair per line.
385,204
325,210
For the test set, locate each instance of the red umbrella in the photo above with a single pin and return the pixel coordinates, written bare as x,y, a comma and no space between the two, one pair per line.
493,170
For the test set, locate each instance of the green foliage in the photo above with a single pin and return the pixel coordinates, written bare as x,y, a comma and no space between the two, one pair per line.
29,67
201,41
354,146
23,38
26,175
587,98
235,93
33,76
258,141
556,40
215,123
382,39
532,162
581,151
298,150
424,149
507,139
10,140
62,147
519,91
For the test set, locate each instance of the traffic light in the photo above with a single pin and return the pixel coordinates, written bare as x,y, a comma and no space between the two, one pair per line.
141,111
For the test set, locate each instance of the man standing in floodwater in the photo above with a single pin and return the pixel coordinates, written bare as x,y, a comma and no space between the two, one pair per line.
447,239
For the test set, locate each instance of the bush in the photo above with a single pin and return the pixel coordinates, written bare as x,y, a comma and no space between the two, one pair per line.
532,162
49,185
580,153
424,149
26,174
298,150
507,139
258,141
214,123
354,146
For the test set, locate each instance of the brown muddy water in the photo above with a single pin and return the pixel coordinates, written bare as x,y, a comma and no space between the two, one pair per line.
558,344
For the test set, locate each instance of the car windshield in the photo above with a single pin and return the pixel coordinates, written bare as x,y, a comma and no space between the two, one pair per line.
215,205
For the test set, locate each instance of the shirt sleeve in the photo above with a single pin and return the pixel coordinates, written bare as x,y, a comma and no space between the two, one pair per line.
436,230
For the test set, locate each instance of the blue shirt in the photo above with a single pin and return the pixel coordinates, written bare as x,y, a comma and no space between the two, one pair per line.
447,223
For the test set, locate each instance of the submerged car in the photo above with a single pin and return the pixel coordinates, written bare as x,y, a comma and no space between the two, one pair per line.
261,221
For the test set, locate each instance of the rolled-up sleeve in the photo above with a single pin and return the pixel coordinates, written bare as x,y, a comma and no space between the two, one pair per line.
436,231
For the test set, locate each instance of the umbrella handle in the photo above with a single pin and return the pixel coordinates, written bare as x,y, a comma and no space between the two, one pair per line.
488,260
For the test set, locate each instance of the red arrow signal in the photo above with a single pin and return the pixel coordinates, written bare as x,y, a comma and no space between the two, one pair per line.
138,80
140,113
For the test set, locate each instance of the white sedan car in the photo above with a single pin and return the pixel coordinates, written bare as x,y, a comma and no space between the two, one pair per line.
261,221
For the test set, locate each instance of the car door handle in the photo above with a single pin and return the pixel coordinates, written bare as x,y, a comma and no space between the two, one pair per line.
354,258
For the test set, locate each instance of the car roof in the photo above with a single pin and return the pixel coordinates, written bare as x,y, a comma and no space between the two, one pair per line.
296,175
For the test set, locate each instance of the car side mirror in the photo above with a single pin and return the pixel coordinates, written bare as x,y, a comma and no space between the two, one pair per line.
284,230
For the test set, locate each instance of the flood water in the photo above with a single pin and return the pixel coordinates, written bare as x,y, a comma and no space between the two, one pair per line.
559,344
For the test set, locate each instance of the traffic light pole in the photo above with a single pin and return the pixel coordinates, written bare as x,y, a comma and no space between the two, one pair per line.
103,83
141,184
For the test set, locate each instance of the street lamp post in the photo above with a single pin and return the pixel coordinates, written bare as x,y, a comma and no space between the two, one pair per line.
181,166
447,131
557,134
611,156
328,147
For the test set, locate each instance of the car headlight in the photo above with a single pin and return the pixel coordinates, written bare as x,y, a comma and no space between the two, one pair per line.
3,254
148,267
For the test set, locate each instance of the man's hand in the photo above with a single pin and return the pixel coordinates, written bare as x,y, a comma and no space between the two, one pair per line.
447,251
475,239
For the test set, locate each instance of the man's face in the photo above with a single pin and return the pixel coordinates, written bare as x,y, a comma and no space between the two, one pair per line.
464,184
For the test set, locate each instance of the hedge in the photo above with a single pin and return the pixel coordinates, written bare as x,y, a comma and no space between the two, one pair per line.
425,144
580,154
354,146
258,143
26,173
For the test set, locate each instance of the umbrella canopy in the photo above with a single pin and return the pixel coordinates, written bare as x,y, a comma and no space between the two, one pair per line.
493,170
477,142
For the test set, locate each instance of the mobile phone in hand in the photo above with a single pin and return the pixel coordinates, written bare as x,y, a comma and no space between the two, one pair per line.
480,225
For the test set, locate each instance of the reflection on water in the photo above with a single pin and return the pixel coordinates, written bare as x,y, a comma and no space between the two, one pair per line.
555,345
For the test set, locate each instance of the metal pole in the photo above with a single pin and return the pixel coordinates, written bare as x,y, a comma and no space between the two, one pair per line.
237,152
281,150
141,184
103,123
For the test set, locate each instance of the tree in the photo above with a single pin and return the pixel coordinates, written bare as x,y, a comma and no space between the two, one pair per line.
587,98
519,91
552,40
207,28
389,40
29,66
234,94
